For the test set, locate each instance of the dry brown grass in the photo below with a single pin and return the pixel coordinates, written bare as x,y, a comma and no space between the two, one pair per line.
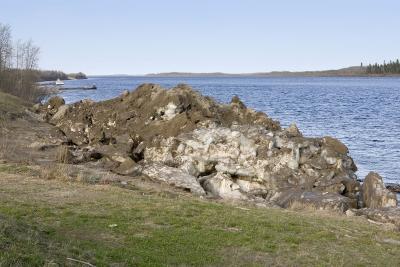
55,172
60,169
301,206
63,155
5,140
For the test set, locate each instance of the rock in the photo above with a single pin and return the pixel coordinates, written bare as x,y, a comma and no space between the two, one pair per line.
87,101
62,110
152,112
374,193
382,215
55,102
350,213
168,112
36,107
293,131
293,163
314,200
244,152
236,101
393,187
221,185
174,177
129,167
125,93
251,187
37,145
113,153
188,140
335,145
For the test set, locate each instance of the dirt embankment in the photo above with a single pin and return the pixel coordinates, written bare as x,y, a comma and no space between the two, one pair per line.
149,112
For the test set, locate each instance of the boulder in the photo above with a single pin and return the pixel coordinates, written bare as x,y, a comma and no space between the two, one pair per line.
55,102
375,194
62,110
174,177
382,215
243,151
36,107
335,145
113,153
314,200
293,131
235,101
221,185
393,187
129,167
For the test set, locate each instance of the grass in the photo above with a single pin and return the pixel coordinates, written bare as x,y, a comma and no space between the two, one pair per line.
13,168
45,222
11,104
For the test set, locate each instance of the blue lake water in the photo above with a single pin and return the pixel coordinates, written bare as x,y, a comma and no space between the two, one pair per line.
362,112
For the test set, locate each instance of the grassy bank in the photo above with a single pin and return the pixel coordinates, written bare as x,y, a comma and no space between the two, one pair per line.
11,104
43,222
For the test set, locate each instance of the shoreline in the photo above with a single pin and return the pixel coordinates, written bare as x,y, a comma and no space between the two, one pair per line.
242,76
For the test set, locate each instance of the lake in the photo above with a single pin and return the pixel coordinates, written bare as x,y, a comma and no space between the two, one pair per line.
362,112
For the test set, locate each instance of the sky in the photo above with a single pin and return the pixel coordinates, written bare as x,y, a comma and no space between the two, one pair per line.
235,36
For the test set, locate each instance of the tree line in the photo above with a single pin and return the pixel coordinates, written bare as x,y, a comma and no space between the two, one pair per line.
18,66
53,75
393,67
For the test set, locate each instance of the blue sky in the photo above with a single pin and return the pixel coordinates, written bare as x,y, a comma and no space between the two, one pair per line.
135,37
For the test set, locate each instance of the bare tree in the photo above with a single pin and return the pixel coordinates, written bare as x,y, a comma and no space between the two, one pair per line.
5,46
5,51
18,65
31,55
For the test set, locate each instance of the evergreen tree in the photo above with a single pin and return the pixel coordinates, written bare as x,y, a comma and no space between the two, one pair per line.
393,67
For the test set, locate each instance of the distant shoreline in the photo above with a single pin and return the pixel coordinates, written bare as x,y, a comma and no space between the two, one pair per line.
227,75
345,72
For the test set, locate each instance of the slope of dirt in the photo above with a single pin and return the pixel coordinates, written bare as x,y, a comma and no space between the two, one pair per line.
150,112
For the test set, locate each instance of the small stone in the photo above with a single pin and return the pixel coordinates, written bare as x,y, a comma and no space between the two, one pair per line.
87,101
125,93
36,107
236,101
293,131
350,213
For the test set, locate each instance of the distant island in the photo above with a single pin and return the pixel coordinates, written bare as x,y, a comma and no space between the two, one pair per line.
386,69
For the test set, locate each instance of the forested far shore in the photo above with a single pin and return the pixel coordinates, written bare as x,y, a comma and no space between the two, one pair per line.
393,67
53,75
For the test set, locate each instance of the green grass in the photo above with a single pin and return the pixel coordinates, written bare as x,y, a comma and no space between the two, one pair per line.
46,222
